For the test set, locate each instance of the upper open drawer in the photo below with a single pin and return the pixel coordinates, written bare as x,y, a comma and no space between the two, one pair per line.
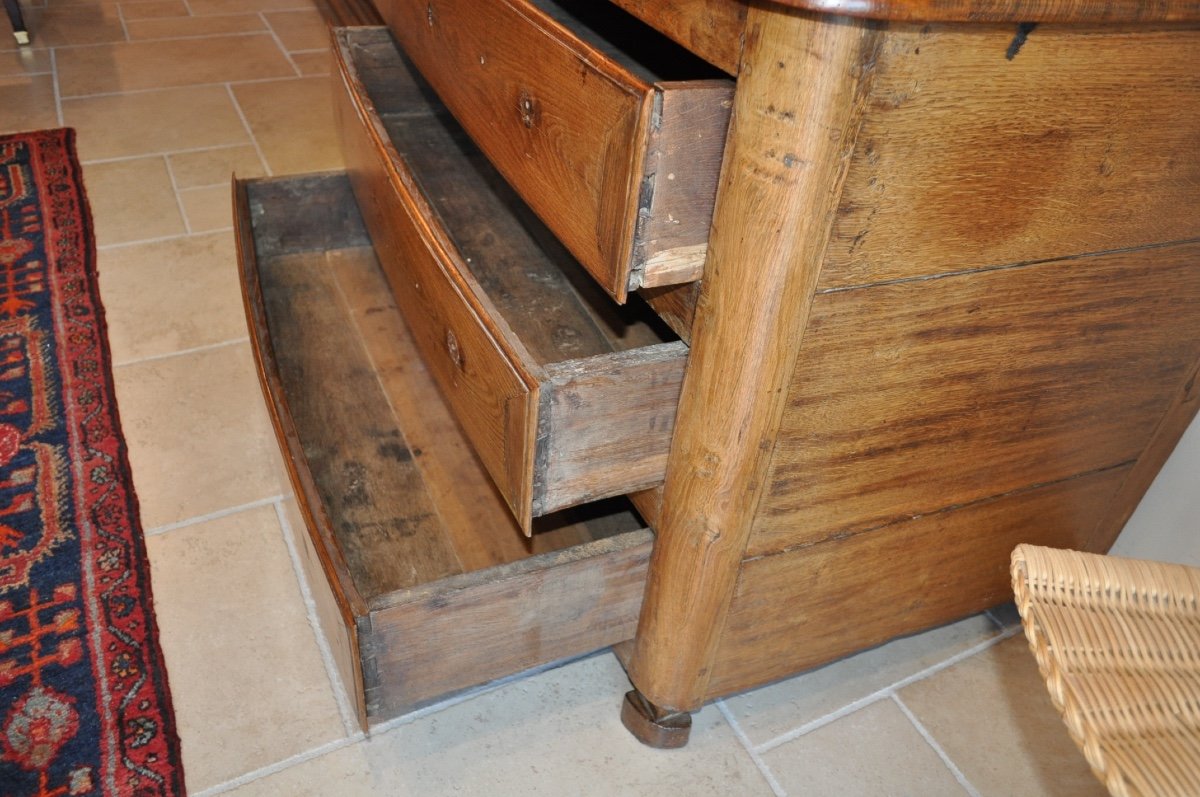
566,397
608,130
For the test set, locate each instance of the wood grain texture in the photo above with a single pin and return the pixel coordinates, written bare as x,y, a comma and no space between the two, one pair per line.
709,28
605,425
512,618
911,397
566,122
1179,416
1108,11
809,606
774,211
491,301
1086,140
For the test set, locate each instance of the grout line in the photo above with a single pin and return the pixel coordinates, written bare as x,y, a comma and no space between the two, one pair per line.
183,352
187,224
249,130
937,748
220,513
58,108
166,152
765,770
279,43
121,19
246,82
159,240
280,766
882,694
340,695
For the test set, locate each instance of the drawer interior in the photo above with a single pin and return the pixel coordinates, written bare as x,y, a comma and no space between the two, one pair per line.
567,397
405,530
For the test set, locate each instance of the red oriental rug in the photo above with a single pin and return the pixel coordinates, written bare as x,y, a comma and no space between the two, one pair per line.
84,706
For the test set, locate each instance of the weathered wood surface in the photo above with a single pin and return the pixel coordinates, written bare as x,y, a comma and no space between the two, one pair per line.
564,120
480,627
371,446
709,28
774,211
911,397
808,606
1085,140
1109,11
676,305
490,300
618,409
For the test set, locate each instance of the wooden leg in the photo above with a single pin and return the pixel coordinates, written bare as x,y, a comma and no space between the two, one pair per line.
13,7
665,730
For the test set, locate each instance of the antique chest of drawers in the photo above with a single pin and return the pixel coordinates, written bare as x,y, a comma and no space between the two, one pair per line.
847,306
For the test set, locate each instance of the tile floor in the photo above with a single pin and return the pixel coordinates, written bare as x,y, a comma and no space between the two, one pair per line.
169,97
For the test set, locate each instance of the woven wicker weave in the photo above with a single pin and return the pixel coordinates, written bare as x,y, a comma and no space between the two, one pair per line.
1118,643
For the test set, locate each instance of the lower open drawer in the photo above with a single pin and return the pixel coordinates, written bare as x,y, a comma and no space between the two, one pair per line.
423,579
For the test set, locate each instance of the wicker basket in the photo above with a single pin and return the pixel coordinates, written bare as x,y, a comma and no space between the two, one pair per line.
1118,643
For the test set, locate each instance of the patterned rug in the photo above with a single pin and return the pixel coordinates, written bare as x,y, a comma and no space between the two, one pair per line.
84,706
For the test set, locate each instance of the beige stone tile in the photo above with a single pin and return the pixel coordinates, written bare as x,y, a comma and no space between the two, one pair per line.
208,208
181,27
24,61
132,66
236,6
198,432
315,63
874,752
167,296
132,200
299,30
774,710
27,103
292,120
215,166
171,119
155,9
557,733
344,772
247,681
993,717
83,23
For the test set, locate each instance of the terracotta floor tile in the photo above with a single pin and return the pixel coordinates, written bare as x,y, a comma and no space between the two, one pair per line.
314,63
199,436
215,166
165,121
292,120
132,200
171,295
299,30
25,61
773,710
552,734
993,717
162,64
84,23
153,10
180,27
874,752
27,103
235,6
246,677
208,208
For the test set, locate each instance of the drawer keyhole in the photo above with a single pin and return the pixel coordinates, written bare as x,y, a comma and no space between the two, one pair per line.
528,109
453,350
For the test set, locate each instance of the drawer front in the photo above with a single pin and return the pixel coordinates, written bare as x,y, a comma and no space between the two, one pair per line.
492,396
579,134
539,388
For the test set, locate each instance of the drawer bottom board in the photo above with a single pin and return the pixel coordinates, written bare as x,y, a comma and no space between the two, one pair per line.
424,583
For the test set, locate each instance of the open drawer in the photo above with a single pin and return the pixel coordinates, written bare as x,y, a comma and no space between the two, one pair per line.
424,582
610,131
566,397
